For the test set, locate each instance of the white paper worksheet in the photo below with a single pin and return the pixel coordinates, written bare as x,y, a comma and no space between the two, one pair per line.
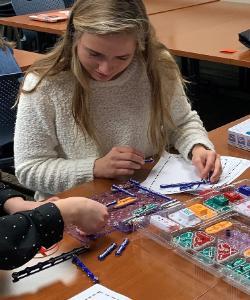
172,168
99,292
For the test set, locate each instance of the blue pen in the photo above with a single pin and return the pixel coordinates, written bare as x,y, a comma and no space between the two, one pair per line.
185,185
149,160
122,247
111,203
119,189
106,252
137,184
84,268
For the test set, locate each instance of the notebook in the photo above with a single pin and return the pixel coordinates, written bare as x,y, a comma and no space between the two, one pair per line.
51,17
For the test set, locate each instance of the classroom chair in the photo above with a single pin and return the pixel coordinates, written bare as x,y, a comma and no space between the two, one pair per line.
6,9
9,87
23,7
69,3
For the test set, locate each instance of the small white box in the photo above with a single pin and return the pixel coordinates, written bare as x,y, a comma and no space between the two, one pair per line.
239,135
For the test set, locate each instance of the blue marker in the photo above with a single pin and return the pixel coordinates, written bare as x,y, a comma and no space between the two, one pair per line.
119,189
185,185
84,268
122,247
106,252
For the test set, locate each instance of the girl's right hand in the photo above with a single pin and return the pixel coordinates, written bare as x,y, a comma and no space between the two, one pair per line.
88,215
120,161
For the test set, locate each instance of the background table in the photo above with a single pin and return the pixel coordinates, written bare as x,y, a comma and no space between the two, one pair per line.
202,31
158,6
25,58
24,22
146,270
199,31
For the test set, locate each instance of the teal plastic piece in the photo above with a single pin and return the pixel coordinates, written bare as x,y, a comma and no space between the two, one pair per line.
218,203
243,269
247,275
207,255
145,210
184,240
235,263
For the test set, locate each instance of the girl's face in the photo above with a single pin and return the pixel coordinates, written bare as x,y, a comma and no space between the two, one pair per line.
105,57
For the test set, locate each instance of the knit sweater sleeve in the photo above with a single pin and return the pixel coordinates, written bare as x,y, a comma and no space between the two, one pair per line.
189,127
38,164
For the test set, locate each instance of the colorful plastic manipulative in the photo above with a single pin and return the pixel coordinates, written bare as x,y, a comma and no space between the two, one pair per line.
243,208
193,240
235,263
245,190
201,239
185,217
247,253
243,269
145,210
225,251
184,240
124,202
219,203
202,211
247,275
218,227
164,223
233,196
207,254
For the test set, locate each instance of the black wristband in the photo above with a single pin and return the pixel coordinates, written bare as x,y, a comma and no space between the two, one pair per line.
6,194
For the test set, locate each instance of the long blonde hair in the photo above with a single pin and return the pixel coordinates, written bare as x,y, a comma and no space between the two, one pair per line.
103,17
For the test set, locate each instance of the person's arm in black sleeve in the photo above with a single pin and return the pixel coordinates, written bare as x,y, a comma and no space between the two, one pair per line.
22,234
31,225
6,193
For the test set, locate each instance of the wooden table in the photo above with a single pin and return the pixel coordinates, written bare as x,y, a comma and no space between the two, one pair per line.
145,271
24,22
202,31
198,32
25,58
153,6
159,6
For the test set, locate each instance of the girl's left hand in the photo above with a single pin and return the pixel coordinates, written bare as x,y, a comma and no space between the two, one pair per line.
207,162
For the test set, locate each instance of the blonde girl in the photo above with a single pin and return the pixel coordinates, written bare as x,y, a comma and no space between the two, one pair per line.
106,97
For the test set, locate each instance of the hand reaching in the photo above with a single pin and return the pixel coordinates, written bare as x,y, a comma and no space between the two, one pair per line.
207,162
88,215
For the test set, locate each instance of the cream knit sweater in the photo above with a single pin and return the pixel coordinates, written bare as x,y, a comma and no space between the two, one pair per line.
51,155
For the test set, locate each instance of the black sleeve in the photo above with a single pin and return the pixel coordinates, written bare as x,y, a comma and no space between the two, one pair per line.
5,193
22,234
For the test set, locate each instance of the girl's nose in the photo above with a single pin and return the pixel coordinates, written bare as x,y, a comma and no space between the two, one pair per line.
105,68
